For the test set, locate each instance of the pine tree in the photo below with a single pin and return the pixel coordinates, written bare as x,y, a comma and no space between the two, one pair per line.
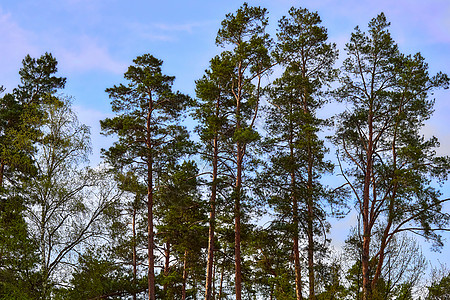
297,153
181,226
21,114
391,163
214,107
244,33
149,135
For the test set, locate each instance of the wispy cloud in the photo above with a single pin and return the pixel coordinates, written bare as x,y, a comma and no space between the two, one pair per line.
88,55
15,44
186,28
166,32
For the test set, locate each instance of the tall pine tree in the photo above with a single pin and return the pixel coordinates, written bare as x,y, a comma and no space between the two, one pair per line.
391,164
149,135
297,158
244,34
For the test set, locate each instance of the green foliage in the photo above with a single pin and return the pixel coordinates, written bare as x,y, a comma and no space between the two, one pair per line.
391,164
149,211
22,114
17,251
148,113
181,215
97,275
150,138
439,290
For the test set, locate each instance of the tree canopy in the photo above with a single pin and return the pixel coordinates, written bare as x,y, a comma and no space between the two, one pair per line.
230,194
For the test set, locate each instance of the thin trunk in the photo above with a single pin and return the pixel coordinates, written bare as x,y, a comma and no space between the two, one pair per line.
311,278
183,291
42,237
166,264
212,218
221,282
237,225
151,257
298,271
213,297
365,214
381,257
384,242
2,170
237,191
310,207
134,254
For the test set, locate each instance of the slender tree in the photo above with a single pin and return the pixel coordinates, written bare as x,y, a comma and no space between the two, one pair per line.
244,33
215,104
149,135
297,153
390,161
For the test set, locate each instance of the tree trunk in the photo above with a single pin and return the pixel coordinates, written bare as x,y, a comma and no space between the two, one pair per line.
310,220
221,282
212,224
183,291
166,264
311,278
237,225
213,297
237,191
297,267
2,170
365,213
298,270
134,253
151,258
150,246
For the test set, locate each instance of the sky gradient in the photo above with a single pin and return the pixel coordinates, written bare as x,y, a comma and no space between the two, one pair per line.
95,41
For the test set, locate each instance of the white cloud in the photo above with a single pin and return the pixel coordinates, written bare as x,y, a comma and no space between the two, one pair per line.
186,27
15,44
89,55
165,32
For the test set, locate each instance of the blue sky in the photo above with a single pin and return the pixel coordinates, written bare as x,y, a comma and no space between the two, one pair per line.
95,40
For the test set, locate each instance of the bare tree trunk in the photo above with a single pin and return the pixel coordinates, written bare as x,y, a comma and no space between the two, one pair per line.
213,297
298,270
151,257
134,253
237,189
365,213
297,267
221,283
237,225
2,170
310,220
212,223
183,291
166,264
